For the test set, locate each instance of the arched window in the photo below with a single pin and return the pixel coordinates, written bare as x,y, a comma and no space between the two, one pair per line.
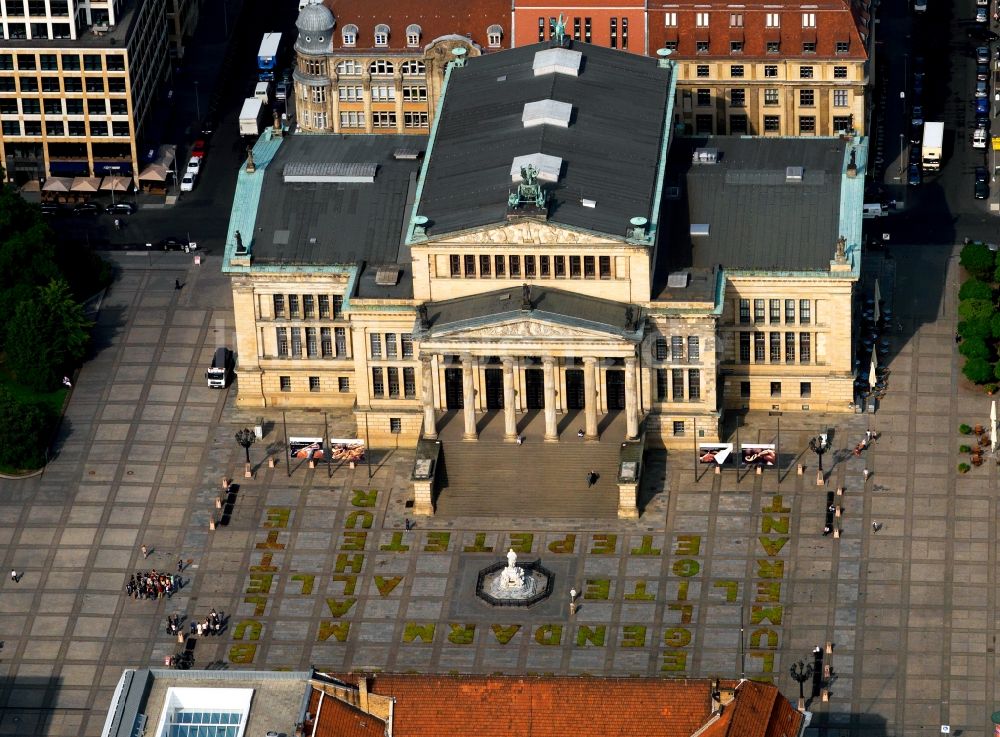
381,35
494,35
350,34
381,68
349,67
413,33
413,67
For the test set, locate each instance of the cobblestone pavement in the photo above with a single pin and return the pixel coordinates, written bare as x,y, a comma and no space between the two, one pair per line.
316,566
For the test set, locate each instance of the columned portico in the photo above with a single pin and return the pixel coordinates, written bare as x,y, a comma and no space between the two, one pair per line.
590,397
468,398
549,369
631,400
509,407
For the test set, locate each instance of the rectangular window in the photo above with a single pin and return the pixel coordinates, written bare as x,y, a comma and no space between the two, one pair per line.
470,267
701,47
383,119
702,70
415,120
694,384
775,347
543,267
281,335
340,341
661,385
614,33
807,124
774,308
604,266
314,383
805,72
759,349
393,375
738,98
326,342
6,63
773,20
694,350
772,123
758,310
529,267
455,265
789,347
311,346
296,342
745,311
808,47
736,71
338,306
677,385
704,97
624,33
807,98
735,47
576,28
670,20
736,20
586,29
808,20
804,311
745,389
349,119
744,347
770,70
13,128
775,389
409,382
54,128
378,384
842,47
660,349
30,84
515,266
308,306
589,268
343,384
318,94
678,428
324,307
840,98
805,348
773,47
285,382
484,266
541,29
789,311
406,344
390,345
414,94
842,123
560,264
574,267
840,72
293,306
676,347
501,263
375,344
805,389
701,20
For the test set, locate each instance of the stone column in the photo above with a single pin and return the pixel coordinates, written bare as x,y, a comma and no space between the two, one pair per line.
509,418
468,398
549,371
590,397
427,395
631,400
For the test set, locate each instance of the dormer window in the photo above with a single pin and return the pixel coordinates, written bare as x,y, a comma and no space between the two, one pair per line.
381,35
350,34
494,35
413,33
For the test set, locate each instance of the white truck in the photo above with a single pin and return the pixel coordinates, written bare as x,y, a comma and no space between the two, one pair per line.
930,154
252,117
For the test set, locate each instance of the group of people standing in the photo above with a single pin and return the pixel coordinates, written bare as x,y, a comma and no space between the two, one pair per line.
212,624
152,585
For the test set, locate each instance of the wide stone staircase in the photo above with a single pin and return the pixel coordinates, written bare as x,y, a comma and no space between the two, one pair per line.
489,477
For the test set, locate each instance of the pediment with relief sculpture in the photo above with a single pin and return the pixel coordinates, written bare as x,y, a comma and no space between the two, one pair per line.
525,329
524,233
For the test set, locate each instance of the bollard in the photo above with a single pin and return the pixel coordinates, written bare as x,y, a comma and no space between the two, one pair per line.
837,513
820,481
829,648
827,670
312,463
825,695
270,462
840,491
211,523
225,483
759,470
718,469
247,472
800,469
218,504
180,637
836,533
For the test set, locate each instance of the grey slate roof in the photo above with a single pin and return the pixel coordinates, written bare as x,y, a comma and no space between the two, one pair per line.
553,305
757,220
610,149
349,222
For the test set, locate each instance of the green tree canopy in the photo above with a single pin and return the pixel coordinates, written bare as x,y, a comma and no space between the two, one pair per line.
974,347
978,370
976,309
978,260
971,329
25,430
975,289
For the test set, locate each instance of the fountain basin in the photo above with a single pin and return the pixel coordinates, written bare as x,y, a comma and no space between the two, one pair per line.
538,581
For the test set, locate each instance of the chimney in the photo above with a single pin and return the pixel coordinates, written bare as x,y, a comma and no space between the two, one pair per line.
363,693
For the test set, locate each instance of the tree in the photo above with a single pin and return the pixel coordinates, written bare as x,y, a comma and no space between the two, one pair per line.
25,430
71,328
976,309
978,260
978,370
969,329
974,347
975,289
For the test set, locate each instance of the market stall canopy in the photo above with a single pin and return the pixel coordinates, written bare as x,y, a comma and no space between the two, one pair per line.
154,173
57,184
117,184
32,185
86,184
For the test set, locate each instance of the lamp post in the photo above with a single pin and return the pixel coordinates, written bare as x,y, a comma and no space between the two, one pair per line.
801,672
819,446
902,136
197,102
246,438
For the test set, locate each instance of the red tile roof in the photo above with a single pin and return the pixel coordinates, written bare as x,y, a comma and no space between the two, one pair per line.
759,710
837,21
336,718
462,17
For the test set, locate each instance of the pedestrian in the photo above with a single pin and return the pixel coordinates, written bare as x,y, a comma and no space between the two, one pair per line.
198,628
520,439
180,565
67,383
13,575
958,338
866,473
177,283
580,433
118,224
868,436
591,478
831,508
408,523
145,551
827,530
876,526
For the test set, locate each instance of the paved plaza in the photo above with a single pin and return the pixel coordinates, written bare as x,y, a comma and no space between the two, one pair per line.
317,567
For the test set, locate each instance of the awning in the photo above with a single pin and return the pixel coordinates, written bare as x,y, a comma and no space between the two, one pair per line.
32,185
86,184
166,155
117,184
154,173
57,184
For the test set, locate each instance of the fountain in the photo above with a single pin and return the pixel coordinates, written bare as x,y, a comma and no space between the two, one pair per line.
514,585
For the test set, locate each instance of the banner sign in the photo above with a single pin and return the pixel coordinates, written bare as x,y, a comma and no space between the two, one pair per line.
306,448
347,450
717,453
758,454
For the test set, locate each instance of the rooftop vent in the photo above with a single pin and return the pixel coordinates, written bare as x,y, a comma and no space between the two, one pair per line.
405,154
705,156
699,229
319,173
546,112
387,276
588,203
678,280
794,173
557,61
547,166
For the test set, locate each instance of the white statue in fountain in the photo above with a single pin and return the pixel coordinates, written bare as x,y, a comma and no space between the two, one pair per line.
512,577
512,583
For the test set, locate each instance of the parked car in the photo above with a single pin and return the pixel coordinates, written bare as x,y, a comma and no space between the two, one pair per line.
982,89
198,148
917,115
187,181
87,208
281,91
982,55
173,243
121,208
982,72
983,121
979,137
286,76
913,177
982,106
194,164
914,155
982,15
982,187
916,134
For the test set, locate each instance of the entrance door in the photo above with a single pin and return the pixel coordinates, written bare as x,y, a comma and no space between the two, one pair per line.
574,389
453,395
534,389
494,388
615,386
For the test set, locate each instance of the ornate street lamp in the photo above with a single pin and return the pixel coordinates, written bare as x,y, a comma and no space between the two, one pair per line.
246,438
801,672
819,446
